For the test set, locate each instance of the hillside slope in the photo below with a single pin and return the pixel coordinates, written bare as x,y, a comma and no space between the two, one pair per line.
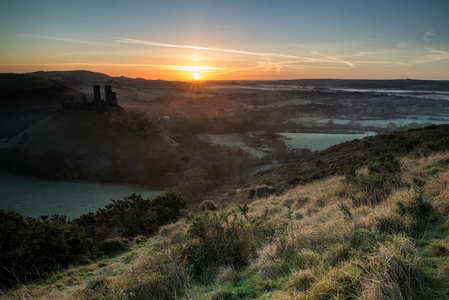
25,100
85,144
337,159
379,232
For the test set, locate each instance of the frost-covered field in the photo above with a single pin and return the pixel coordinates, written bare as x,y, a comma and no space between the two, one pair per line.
422,120
319,141
34,197
231,140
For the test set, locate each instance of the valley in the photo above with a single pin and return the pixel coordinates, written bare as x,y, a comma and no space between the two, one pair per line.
257,168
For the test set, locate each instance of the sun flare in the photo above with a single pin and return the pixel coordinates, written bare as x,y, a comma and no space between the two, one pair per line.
196,76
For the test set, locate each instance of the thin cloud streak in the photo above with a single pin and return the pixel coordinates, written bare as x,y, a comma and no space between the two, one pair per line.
60,39
150,43
428,35
324,59
152,66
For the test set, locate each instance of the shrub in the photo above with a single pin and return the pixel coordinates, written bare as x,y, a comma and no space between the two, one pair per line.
302,280
31,248
207,205
439,248
384,176
339,253
114,245
219,240
416,207
389,222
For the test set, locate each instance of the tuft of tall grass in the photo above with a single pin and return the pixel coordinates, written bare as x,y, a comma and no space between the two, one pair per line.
342,282
302,280
388,221
396,271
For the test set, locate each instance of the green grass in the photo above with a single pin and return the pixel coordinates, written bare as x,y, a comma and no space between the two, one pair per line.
299,245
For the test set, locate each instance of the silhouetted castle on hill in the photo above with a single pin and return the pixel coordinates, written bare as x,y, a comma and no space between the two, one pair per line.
97,103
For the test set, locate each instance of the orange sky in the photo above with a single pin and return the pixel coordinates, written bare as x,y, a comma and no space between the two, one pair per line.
228,40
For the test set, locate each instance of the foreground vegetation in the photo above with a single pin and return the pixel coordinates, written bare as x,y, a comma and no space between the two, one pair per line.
381,231
32,248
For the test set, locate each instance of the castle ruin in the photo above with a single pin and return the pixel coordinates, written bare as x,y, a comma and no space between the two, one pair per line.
109,103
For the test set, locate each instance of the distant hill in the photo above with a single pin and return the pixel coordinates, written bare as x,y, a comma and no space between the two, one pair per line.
85,144
80,80
394,84
129,89
25,100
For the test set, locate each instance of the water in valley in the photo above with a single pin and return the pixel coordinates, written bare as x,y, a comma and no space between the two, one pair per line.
34,197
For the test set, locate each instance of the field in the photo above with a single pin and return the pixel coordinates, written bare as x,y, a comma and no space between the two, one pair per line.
231,140
319,141
287,102
311,141
383,123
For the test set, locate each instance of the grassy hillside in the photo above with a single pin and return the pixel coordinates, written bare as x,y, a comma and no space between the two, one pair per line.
25,100
379,231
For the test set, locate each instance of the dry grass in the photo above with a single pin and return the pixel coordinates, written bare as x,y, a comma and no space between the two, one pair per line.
311,250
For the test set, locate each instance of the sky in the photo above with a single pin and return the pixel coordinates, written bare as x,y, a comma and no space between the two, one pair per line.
228,39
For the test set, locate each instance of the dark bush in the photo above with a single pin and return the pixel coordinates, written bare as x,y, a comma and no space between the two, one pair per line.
31,247
220,240
384,176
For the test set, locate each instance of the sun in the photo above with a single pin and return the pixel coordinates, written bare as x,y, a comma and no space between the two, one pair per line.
196,76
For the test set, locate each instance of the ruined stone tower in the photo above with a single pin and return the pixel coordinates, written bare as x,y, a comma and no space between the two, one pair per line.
97,95
108,93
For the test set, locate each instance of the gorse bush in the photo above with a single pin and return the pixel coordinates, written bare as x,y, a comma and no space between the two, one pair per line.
218,240
32,247
383,177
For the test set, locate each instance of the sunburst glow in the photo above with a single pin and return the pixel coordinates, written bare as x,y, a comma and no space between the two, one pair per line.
196,76
217,40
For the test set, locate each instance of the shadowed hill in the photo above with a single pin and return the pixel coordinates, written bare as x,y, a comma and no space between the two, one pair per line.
25,100
84,144
78,79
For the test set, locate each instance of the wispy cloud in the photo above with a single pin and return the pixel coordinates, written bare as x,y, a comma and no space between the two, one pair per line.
206,69
60,39
428,34
150,43
429,56
267,64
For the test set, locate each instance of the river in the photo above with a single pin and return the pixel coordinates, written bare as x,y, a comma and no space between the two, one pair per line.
34,197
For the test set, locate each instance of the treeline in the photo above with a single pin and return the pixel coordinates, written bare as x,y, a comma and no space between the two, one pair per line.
199,167
192,169
31,248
